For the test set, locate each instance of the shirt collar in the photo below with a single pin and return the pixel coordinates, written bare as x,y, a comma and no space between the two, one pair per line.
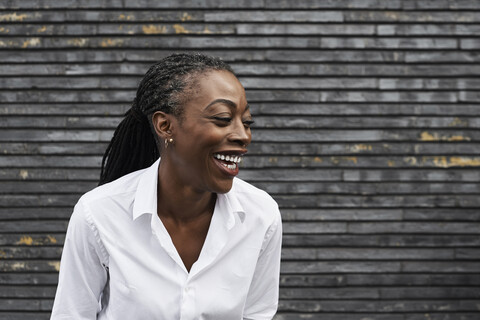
146,197
230,203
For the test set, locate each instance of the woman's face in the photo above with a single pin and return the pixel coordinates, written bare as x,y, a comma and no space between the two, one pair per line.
213,134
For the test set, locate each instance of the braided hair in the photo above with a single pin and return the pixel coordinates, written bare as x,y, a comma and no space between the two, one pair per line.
165,87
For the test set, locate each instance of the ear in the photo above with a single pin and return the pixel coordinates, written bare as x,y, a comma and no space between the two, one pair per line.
163,124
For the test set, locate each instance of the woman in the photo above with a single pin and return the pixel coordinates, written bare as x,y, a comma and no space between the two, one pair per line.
180,237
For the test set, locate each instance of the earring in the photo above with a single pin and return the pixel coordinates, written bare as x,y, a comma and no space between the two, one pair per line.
167,141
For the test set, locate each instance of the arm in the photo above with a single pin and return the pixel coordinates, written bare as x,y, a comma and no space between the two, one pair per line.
262,299
82,273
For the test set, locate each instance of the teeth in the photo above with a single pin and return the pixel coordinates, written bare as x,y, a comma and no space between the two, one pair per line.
230,166
230,158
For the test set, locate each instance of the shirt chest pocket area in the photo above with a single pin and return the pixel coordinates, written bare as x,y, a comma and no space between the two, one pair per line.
123,302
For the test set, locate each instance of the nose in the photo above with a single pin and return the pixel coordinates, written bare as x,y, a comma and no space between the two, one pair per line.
241,135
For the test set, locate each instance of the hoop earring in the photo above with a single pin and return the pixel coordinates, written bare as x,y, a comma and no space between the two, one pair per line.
168,141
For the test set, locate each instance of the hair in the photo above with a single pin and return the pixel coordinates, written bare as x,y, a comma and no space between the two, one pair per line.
165,87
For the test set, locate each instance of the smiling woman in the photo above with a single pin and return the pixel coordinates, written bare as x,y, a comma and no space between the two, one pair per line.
171,233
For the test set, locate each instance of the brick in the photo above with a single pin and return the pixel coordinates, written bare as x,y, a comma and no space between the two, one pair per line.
325,254
51,174
378,201
309,267
35,213
375,306
415,17
412,279
38,200
304,29
34,239
25,315
375,240
31,252
29,278
32,226
413,227
275,16
363,188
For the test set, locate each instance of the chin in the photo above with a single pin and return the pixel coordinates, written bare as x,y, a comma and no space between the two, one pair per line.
223,188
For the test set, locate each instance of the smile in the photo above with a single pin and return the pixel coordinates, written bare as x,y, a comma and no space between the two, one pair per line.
233,159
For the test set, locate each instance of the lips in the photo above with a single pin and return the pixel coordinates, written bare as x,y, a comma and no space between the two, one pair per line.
228,162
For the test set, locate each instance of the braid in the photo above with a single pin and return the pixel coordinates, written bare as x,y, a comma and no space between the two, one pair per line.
133,144
164,87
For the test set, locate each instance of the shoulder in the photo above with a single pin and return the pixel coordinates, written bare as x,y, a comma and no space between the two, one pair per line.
118,188
113,199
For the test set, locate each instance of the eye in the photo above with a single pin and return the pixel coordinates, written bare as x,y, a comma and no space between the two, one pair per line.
248,123
223,119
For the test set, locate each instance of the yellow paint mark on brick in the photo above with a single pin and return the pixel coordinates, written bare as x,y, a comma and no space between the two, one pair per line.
3,254
318,160
42,29
13,17
273,159
445,162
391,163
51,239
457,122
464,162
186,17
78,42
124,17
33,42
111,42
18,266
23,174
361,147
392,15
55,264
25,240
206,30
458,138
411,160
4,30
440,162
152,29
352,159
426,136
179,29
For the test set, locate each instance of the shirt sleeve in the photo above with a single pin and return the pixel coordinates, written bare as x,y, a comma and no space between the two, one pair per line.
262,299
83,273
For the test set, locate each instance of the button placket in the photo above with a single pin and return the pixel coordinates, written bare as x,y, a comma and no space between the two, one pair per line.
188,307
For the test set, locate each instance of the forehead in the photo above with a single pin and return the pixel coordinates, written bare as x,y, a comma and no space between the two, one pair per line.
219,81
216,84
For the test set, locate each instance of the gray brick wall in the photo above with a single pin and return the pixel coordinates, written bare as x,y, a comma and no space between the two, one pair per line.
367,134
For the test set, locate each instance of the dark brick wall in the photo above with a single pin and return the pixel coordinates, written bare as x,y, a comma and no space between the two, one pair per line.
367,134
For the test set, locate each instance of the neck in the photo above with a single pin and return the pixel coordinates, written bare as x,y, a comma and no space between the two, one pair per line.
180,202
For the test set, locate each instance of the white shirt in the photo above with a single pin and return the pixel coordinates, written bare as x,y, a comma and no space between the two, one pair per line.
119,261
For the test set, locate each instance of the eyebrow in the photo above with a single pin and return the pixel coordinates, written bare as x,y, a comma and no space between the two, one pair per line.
229,103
